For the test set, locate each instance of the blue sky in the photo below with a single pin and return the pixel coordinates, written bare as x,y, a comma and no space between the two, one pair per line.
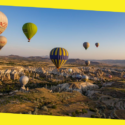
67,29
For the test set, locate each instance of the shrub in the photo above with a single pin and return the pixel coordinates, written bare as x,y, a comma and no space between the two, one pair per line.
92,116
54,107
73,114
84,111
77,112
93,110
67,114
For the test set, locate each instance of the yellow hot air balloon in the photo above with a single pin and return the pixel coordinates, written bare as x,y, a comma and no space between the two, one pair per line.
3,41
86,45
29,29
3,22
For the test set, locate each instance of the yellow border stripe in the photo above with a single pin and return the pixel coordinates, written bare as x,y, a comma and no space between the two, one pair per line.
97,5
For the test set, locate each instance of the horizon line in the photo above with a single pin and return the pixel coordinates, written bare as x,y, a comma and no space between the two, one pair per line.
69,58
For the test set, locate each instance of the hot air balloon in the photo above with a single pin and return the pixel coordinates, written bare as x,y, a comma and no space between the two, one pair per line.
86,45
23,81
59,56
3,22
85,78
78,76
87,63
70,70
96,44
3,41
29,29
110,76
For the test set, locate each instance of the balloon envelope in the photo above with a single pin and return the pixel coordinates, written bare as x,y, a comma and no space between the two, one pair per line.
3,41
70,70
96,44
78,76
85,78
59,56
87,63
110,76
3,22
23,80
86,45
29,29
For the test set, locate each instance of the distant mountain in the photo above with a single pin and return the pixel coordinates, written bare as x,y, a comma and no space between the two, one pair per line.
47,59
113,62
46,56
70,61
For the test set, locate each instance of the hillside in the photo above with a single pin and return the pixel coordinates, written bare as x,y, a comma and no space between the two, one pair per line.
112,62
43,59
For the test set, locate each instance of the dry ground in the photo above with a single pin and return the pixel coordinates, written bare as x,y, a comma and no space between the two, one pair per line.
65,102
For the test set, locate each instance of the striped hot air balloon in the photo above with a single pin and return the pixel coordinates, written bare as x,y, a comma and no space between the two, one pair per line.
59,56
